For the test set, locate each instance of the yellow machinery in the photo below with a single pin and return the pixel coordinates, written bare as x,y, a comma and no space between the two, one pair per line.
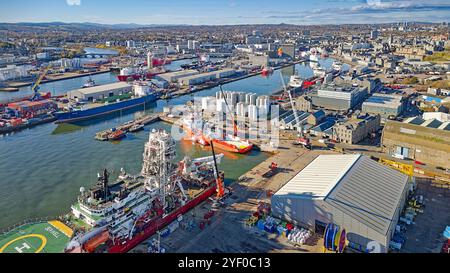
404,168
35,87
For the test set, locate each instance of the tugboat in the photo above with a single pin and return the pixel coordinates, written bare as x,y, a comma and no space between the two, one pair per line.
89,83
136,127
116,134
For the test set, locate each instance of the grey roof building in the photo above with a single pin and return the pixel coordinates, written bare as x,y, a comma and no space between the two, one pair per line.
384,105
339,97
353,191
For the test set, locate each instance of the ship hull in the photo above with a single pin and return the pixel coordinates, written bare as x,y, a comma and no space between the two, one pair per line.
224,145
160,223
63,117
202,139
135,77
124,78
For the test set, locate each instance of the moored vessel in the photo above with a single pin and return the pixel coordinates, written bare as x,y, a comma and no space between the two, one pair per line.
125,97
266,71
233,144
117,216
295,81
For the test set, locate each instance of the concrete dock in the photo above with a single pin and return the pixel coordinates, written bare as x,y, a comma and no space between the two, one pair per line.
226,231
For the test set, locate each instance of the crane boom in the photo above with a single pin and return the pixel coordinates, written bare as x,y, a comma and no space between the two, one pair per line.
235,129
300,130
35,87
219,182
41,77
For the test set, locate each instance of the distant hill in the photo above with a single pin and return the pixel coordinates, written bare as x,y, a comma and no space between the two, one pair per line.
72,26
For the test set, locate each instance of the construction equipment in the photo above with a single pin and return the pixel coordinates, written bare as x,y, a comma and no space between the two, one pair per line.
273,170
404,168
219,180
35,87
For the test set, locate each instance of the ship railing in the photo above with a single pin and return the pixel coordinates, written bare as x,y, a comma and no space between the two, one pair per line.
26,222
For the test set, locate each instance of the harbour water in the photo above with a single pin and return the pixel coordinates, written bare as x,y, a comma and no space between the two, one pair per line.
43,168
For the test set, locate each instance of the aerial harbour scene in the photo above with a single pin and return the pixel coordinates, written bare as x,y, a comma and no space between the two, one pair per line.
224,127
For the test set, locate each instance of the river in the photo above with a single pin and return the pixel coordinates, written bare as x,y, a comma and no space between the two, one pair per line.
43,168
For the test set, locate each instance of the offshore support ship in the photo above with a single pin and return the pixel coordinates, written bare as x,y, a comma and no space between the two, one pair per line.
116,216
123,214
193,126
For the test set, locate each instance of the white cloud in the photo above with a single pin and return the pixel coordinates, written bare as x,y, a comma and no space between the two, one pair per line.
73,2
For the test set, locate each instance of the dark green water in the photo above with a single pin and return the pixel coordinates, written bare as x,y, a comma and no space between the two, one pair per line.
43,168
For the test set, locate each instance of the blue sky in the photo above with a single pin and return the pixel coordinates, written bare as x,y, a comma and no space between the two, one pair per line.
225,11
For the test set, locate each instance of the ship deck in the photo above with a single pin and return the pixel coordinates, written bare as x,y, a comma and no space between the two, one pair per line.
43,237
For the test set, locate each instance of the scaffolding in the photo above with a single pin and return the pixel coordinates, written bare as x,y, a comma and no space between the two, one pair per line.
157,167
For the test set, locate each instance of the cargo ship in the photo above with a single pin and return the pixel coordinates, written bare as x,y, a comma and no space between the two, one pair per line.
85,108
130,73
120,215
266,71
136,73
156,62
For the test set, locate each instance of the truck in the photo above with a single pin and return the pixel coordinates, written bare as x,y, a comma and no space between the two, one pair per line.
306,142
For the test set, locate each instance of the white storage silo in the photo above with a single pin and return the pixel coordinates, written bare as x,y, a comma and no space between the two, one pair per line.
220,105
253,97
241,96
240,109
253,112
205,102
234,98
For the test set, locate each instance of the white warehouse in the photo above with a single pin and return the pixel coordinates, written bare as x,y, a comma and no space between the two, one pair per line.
353,191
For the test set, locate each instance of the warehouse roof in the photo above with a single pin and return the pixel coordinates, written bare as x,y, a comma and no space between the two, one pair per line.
369,193
318,178
385,100
103,88
356,185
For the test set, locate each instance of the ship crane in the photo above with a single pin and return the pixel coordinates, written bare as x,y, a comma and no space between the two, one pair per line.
219,181
300,129
233,119
180,186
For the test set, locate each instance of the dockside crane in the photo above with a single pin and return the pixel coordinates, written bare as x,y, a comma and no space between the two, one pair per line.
35,87
233,118
302,140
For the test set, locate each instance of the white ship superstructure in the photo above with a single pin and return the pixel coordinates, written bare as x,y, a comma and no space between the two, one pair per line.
295,81
118,207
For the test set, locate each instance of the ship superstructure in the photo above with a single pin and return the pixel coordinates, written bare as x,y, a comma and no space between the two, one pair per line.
123,213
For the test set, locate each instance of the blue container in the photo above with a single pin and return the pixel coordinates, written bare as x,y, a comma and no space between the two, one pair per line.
260,224
269,228
165,233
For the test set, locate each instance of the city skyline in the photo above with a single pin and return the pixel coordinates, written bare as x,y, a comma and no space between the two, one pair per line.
230,12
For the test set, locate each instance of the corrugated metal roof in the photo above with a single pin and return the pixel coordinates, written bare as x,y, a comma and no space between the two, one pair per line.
103,88
369,193
323,126
318,178
445,126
